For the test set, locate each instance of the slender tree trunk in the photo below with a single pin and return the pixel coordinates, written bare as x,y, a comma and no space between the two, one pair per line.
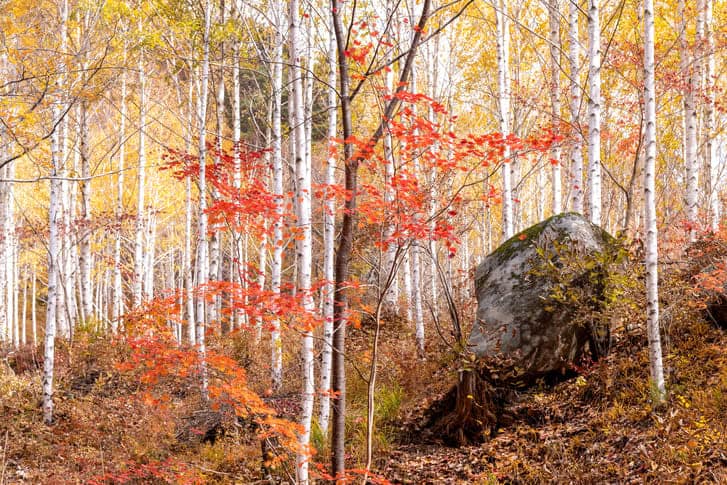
4,245
138,283
54,213
65,295
261,266
329,235
237,268
118,306
13,275
346,238
303,242
408,292
391,298
33,319
276,344
652,280
215,237
690,123
150,255
202,259
416,273
187,256
594,111
503,84
555,49
24,319
710,144
85,233
576,151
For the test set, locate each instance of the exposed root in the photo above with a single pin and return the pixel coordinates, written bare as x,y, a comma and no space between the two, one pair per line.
468,413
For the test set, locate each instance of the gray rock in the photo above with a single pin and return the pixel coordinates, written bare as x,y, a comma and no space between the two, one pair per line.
519,325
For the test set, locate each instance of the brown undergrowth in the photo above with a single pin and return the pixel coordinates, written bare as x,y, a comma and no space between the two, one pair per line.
601,426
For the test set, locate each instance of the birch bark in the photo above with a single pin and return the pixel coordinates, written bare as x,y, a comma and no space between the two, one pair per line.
690,124
503,86
202,242
555,49
710,118
303,241
139,257
652,288
576,151
54,213
118,305
277,262
329,234
594,111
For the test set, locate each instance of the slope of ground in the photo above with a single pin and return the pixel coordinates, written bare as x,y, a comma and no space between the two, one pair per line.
601,426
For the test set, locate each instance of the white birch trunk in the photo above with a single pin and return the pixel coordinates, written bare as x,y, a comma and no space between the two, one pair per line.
277,262
555,49
690,124
652,288
187,256
503,85
150,256
261,265
54,213
118,305
416,276
329,235
594,111
303,241
576,151
85,233
391,297
24,319
4,330
33,318
415,254
16,292
202,260
238,315
215,237
408,288
710,119
138,283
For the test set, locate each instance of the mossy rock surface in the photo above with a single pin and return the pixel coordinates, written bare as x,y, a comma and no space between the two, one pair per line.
517,327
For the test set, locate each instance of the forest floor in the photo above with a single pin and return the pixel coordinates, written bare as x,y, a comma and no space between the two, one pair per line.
598,427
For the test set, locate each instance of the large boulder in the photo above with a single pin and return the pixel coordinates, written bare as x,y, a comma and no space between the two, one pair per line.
532,292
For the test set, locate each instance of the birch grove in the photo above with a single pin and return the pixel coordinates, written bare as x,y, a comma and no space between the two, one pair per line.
271,217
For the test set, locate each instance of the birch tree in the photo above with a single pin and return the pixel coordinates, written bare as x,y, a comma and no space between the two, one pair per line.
202,259
303,240
690,123
85,238
139,257
391,297
118,300
555,49
329,234
54,213
216,235
503,96
594,111
576,151
710,149
652,280
276,344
